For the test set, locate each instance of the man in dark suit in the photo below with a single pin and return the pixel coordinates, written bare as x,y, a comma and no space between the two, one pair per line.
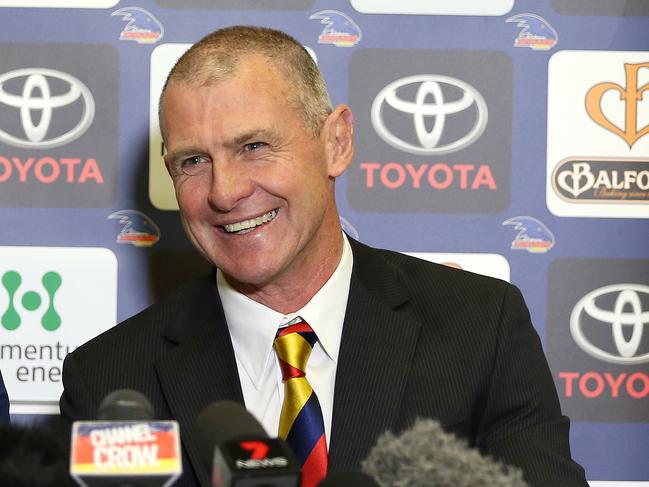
4,402
254,149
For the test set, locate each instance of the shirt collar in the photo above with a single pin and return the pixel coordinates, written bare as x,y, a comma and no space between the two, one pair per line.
253,326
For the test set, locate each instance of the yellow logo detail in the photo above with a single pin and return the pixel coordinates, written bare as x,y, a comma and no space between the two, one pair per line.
630,94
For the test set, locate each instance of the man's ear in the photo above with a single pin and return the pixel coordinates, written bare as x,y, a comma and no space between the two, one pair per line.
338,130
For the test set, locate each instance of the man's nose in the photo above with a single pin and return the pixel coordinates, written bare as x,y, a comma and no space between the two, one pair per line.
230,184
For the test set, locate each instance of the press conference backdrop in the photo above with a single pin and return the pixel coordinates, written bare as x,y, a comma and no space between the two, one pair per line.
509,138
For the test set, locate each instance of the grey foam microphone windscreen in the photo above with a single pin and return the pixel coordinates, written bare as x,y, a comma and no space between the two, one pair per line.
125,405
427,456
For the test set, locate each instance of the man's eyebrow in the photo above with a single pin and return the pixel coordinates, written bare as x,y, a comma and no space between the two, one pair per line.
181,153
250,136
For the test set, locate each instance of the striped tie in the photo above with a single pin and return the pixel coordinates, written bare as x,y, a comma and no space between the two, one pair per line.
300,422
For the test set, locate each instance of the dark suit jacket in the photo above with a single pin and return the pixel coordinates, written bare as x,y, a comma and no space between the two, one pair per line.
4,403
419,340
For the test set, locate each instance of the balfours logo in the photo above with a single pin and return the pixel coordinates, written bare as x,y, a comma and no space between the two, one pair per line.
58,126
598,338
610,180
602,168
632,95
426,143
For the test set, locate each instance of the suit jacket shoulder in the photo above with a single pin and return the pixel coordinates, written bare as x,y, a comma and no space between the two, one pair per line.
125,355
453,346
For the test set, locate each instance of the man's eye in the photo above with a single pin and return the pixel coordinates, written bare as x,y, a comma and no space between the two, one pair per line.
254,146
194,165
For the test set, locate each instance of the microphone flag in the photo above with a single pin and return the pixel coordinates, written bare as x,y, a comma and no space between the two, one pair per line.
139,452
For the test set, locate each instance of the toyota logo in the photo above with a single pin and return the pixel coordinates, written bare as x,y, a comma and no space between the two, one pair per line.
435,86
36,102
627,312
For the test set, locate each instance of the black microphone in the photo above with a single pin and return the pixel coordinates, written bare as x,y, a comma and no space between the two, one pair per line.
34,456
125,447
238,452
348,479
125,405
427,456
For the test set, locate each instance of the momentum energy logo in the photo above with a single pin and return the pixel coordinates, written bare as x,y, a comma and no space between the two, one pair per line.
436,142
52,299
52,115
598,338
598,134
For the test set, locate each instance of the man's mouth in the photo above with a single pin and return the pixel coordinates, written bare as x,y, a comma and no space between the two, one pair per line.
248,225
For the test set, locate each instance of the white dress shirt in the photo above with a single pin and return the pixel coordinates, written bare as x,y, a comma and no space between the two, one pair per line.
253,327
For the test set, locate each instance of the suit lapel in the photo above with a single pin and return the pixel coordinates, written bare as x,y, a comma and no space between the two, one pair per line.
376,352
200,368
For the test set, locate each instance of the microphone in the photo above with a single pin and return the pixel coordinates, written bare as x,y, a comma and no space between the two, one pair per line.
426,456
125,447
34,455
348,479
125,405
238,452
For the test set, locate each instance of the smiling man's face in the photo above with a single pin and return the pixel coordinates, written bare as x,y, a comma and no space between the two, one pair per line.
254,186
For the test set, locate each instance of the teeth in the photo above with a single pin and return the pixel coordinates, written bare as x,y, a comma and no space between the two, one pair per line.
250,224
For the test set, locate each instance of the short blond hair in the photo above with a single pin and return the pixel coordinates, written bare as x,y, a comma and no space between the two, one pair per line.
216,57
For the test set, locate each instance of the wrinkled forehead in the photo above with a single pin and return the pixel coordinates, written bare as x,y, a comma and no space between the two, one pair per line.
255,68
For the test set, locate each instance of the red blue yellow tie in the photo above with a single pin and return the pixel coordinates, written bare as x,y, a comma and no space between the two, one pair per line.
300,422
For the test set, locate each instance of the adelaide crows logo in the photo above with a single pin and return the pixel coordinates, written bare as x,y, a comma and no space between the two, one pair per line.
141,25
536,33
532,235
339,30
137,228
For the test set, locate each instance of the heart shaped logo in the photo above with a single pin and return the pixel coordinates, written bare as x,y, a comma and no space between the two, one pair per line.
631,95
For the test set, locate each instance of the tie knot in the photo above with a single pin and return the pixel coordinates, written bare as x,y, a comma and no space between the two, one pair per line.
293,346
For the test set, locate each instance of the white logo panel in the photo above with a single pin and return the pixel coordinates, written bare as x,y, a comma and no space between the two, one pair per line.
616,483
52,299
161,189
434,7
492,265
60,3
598,135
